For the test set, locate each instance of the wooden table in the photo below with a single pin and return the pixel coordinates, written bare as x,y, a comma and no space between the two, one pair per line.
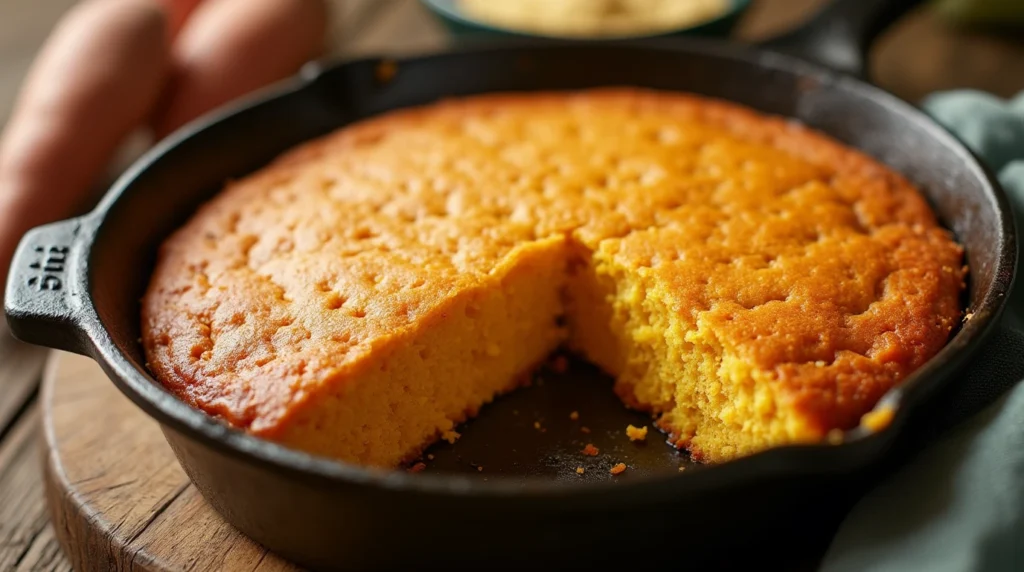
919,55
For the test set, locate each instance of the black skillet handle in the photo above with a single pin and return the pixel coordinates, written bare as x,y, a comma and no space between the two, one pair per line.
45,285
841,34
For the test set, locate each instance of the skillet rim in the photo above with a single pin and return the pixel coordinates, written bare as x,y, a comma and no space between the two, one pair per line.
859,449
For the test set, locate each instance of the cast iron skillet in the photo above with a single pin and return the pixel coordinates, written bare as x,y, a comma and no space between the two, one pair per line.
75,285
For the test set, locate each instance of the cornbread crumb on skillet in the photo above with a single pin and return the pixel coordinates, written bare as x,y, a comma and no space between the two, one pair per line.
749,282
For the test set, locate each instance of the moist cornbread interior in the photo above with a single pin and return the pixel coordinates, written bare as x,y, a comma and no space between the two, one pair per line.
749,282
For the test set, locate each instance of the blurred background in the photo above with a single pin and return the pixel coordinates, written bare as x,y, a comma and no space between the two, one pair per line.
945,44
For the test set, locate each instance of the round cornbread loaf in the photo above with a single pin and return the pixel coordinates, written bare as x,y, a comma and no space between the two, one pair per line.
748,281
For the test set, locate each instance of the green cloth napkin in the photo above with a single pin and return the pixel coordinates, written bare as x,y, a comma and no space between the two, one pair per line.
959,505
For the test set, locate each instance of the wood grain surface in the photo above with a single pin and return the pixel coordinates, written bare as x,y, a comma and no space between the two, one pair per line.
919,55
117,496
26,539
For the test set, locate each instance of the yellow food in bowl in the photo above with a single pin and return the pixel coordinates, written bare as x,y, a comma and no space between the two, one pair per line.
582,18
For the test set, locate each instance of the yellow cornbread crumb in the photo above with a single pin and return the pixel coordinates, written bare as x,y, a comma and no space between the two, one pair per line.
636,433
878,419
834,437
618,469
451,436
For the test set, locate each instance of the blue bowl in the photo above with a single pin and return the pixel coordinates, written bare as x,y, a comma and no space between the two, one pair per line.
465,28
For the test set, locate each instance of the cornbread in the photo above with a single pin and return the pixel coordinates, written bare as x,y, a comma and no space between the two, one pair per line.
747,281
878,419
595,18
636,433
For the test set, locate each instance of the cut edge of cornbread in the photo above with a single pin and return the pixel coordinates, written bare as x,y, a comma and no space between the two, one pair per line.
490,338
717,408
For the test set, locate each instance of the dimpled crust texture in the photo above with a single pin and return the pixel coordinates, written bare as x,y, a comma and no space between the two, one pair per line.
749,282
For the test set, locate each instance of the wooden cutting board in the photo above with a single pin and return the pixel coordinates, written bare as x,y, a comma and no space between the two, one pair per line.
117,496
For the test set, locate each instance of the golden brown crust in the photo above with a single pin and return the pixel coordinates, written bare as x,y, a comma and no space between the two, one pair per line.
819,267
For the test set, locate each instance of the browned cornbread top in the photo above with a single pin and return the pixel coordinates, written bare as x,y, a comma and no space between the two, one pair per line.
804,259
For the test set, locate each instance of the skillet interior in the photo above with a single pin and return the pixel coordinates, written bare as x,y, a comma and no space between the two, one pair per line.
147,205
296,490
